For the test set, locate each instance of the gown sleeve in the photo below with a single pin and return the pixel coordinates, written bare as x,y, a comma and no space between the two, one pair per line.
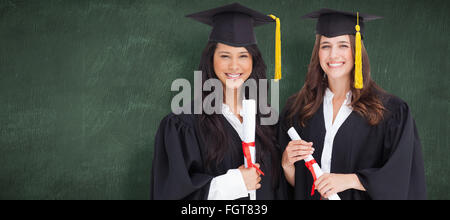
283,140
178,171
402,176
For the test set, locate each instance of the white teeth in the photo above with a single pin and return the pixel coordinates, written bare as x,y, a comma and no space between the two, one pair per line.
233,75
335,64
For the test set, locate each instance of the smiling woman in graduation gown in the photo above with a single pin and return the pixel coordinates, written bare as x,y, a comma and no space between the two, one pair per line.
200,156
370,145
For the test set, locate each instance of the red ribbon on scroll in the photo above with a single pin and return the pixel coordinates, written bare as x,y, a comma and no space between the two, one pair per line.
309,164
248,157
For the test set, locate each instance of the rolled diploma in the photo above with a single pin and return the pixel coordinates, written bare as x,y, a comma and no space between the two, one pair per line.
248,113
294,136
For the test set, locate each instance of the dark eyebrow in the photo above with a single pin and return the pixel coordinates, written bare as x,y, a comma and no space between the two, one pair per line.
340,42
223,52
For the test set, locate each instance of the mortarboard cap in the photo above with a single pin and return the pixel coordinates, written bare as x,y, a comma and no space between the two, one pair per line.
332,23
233,25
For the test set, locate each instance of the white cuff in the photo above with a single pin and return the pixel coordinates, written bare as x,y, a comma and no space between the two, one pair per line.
228,186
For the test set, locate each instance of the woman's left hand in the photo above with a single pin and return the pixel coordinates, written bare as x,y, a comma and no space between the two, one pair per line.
332,183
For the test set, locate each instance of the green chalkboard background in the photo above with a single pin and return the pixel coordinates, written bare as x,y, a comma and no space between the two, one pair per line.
84,84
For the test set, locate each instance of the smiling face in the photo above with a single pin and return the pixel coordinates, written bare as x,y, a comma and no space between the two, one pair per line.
232,65
336,57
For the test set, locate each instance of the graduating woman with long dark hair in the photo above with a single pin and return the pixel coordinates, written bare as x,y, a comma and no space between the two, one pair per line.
364,139
200,156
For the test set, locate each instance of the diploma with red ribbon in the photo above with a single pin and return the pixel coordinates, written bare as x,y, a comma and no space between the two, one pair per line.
248,114
311,164
248,148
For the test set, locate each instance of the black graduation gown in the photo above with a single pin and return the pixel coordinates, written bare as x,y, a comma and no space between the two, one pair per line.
178,164
387,158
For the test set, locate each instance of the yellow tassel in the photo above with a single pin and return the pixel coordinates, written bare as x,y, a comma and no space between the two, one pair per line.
277,48
358,57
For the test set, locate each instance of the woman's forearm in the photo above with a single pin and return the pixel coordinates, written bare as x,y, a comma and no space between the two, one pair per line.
289,173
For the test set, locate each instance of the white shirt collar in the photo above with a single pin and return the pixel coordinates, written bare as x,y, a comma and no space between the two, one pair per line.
328,97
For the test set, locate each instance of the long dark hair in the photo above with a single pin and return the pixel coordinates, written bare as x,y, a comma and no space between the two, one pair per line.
211,125
307,101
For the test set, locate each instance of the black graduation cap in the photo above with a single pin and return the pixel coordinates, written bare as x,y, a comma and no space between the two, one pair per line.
232,24
332,23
